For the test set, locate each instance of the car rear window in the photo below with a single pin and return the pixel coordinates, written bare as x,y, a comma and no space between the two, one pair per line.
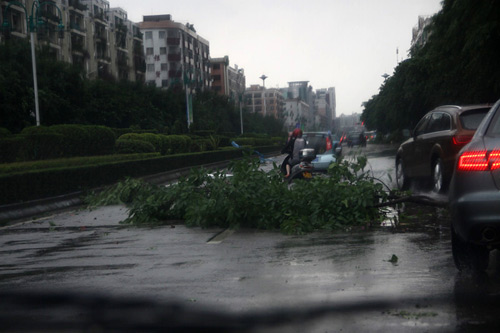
471,119
316,141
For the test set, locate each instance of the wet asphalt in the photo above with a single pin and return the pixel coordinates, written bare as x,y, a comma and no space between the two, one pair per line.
378,279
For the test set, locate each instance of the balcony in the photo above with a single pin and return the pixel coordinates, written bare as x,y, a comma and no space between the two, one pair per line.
171,41
100,16
138,35
75,27
174,57
75,4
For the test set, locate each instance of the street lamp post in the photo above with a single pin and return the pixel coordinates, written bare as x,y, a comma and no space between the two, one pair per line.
240,96
189,98
263,78
33,21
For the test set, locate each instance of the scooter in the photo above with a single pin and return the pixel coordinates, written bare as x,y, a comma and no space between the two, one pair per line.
304,169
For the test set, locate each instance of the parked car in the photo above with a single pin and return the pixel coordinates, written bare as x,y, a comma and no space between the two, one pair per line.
356,139
326,146
430,153
475,196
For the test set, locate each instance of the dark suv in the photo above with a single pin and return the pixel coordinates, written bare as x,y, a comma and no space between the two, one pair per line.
431,152
326,147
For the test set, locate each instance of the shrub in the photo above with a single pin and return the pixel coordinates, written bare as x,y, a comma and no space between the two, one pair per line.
165,144
153,139
130,136
131,146
179,143
41,146
200,144
101,140
4,133
10,147
120,131
76,139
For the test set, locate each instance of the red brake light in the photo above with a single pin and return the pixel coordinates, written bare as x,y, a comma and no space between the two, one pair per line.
479,160
494,159
328,143
461,139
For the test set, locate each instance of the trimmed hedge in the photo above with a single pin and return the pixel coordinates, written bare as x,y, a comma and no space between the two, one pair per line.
9,148
38,184
132,146
101,140
11,168
4,133
41,146
75,139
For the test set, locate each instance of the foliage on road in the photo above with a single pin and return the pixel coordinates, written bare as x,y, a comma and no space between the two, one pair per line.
457,65
252,198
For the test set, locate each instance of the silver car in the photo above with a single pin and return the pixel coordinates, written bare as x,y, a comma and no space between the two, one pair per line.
475,196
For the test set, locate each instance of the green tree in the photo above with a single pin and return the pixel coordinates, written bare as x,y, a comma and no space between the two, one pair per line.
457,65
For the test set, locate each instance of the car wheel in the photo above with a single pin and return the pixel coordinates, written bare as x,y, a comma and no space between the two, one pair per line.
468,256
437,176
402,181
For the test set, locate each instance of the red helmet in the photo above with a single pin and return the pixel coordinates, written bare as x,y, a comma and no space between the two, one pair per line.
297,132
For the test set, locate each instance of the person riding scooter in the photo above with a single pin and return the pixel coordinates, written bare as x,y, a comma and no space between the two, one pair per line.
292,148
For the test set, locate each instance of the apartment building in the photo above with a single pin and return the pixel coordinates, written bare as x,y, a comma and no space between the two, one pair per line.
96,37
324,108
420,34
175,53
227,80
267,102
297,113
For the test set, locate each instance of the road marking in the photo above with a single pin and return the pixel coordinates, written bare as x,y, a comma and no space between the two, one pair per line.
220,237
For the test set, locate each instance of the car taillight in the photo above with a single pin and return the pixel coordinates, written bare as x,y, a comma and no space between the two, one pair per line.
461,140
479,160
328,143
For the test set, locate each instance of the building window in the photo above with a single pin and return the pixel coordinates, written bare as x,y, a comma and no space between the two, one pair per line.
161,34
151,67
163,50
149,51
216,66
164,83
149,35
164,67
173,33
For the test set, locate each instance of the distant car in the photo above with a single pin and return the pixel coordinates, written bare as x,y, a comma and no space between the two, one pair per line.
430,153
326,146
474,196
356,139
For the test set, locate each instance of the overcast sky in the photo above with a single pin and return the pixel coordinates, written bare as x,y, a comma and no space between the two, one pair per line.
346,44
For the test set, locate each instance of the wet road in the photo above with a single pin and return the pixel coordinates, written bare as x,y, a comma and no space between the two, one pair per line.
248,271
